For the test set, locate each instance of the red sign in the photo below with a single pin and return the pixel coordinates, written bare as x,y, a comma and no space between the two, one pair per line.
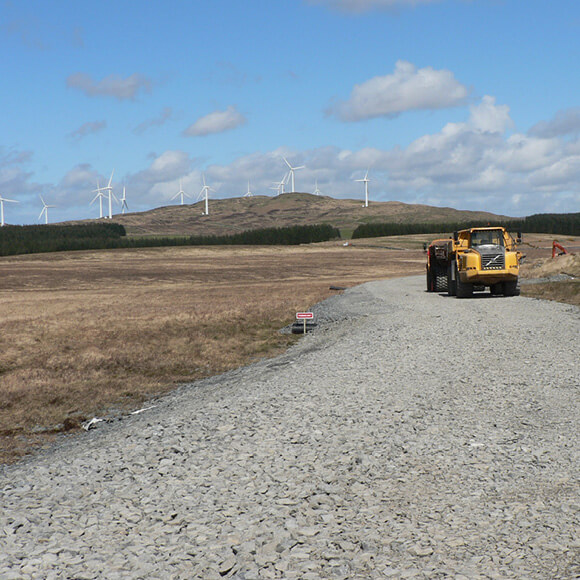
304,315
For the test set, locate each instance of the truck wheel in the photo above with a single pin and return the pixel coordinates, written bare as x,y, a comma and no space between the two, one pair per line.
511,288
496,289
441,281
463,290
451,283
429,282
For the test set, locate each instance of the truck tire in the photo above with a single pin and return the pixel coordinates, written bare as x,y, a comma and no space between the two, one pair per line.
511,288
441,281
496,289
451,283
463,290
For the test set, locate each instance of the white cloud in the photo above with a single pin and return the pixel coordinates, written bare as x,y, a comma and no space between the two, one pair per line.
408,88
566,122
82,176
358,6
111,86
476,164
216,122
86,129
167,165
489,117
14,179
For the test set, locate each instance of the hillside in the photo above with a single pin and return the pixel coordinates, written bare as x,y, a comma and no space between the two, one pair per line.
245,213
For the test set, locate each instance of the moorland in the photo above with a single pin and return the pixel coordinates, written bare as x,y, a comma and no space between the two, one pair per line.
93,333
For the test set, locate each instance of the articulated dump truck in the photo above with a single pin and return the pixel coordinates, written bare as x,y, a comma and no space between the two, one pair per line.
473,260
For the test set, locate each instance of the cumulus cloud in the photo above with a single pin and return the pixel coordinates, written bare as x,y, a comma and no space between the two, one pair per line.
14,179
566,122
165,115
489,117
476,164
81,176
358,6
111,86
408,88
216,122
87,129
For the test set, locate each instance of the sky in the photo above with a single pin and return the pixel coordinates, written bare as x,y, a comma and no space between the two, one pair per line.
470,104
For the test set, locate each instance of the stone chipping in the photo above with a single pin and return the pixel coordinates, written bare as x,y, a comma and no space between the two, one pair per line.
411,435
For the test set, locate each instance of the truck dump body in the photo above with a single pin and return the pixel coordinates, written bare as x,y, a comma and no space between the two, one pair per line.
437,263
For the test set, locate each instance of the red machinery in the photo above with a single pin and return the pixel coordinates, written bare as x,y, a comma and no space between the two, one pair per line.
557,246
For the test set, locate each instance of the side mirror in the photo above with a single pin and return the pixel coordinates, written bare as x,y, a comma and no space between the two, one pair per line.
519,238
455,236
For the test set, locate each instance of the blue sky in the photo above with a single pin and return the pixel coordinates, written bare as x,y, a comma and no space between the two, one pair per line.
472,104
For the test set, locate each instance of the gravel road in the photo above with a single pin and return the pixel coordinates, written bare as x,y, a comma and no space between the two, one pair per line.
411,436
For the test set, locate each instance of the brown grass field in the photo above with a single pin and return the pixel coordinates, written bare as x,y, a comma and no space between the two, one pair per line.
86,334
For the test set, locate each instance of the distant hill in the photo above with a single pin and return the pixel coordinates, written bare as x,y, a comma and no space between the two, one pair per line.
247,213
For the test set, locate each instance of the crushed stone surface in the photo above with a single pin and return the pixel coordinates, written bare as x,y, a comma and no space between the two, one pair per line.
412,435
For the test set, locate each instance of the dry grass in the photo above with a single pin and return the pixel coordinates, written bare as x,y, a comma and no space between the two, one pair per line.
87,333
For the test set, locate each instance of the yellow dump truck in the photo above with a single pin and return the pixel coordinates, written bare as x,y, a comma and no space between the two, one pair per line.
473,260
483,258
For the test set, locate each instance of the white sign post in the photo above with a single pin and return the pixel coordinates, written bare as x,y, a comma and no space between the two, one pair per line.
304,316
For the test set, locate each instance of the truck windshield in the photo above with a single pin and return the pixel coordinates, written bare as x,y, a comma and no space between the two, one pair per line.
486,237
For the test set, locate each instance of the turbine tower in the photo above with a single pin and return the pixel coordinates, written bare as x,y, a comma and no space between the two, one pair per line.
180,193
111,195
205,193
100,195
366,182
44,210
2,200
123,201
292,170
249,192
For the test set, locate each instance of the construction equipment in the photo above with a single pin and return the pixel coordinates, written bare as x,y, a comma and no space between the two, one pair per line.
475,259
437,264
557,246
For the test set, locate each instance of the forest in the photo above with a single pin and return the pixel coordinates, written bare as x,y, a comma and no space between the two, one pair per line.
58,238
562,224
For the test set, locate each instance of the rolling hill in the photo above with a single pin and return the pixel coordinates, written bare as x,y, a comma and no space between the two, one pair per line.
239,214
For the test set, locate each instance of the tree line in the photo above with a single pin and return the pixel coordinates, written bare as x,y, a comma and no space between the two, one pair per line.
57,238
563,224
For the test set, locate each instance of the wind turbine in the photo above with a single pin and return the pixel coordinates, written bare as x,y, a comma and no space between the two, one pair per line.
366,182
249,192
109,188
292,170
44,210
2,200
100,195
123,201
280,184
180,193
316,190
205,193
